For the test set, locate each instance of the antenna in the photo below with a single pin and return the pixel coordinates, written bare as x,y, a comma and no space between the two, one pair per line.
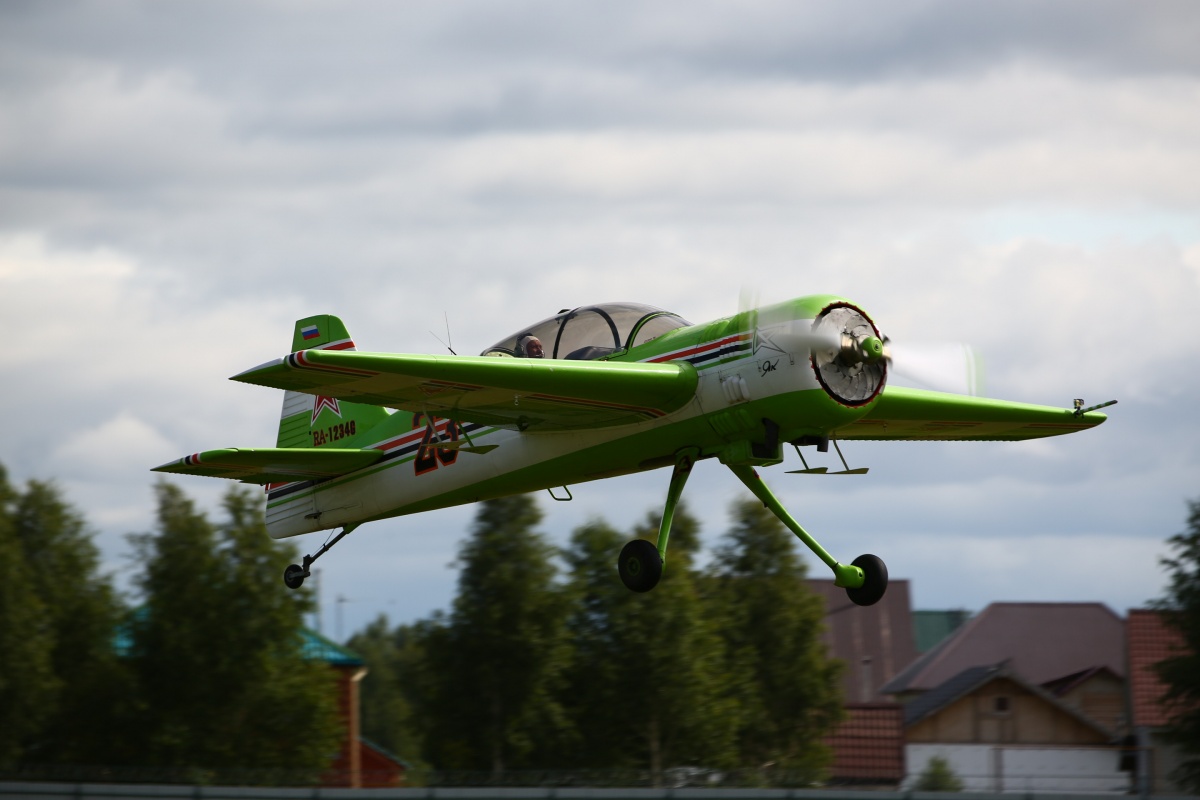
448,339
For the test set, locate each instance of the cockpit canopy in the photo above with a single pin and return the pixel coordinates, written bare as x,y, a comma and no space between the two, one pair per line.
590,332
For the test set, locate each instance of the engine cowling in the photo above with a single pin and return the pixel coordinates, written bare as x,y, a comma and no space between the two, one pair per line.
849,357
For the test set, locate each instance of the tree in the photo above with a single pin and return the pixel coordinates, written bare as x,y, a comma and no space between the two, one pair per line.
394,659
647,690
217,647
61,684
788,692
81,616
27,681
938,777
495,667
1181,672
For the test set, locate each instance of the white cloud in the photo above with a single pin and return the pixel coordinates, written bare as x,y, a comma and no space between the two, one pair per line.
116,444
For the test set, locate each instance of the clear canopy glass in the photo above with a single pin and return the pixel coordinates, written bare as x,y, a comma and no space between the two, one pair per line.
589,332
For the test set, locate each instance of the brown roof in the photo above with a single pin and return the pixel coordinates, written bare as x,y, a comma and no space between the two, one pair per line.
868,747
876,642
1041,641
1150,641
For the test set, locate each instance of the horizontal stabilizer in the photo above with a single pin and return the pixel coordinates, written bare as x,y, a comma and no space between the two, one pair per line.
916,414
272,464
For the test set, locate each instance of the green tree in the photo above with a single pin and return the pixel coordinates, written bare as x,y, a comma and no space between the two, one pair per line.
647,690
938,777
217,647
495,666
788,690
62,686
82,614
27,681
1181,672
394,659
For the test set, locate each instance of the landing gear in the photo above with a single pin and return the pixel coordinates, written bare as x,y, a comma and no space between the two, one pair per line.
865,580
641,562
294,575
875,579
640,565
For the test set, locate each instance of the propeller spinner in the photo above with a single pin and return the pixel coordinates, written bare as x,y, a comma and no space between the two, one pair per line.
848,355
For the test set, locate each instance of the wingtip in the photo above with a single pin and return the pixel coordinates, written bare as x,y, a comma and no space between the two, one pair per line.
245,376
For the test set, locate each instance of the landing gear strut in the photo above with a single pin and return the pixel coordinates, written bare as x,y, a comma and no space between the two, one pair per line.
294,575
641,563
865,580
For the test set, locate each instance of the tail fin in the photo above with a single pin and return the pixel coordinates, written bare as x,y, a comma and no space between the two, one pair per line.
311,421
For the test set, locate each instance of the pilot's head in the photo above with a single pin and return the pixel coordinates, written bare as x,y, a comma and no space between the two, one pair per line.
530,347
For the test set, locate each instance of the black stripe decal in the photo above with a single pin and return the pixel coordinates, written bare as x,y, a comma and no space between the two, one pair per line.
400,452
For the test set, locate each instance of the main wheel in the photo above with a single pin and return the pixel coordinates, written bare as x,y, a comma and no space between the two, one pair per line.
875,583
293,576
640,565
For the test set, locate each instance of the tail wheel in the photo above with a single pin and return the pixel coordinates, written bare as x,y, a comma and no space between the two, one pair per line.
293,576
640,565
875,581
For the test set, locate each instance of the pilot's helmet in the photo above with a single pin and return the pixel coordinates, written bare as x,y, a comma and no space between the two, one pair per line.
530,346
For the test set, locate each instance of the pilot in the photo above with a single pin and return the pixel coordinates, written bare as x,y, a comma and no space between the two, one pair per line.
530,347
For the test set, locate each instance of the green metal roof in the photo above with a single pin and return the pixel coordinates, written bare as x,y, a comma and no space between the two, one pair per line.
314,646
317,648
931,627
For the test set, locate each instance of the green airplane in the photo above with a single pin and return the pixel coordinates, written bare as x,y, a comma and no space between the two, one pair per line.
591,393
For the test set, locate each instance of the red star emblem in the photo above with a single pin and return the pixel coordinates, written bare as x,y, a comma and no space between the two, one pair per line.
325,402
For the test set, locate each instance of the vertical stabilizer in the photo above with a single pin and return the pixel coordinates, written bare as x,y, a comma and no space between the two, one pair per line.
311,421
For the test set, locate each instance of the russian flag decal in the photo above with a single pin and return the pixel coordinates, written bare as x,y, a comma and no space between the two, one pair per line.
310,332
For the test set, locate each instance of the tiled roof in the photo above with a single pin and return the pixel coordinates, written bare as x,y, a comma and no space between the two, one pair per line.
1040,641
868,747
875,641
1150,641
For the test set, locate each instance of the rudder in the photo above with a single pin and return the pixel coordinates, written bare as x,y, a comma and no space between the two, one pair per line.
311,421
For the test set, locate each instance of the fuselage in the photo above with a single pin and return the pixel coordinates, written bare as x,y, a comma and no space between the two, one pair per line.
752,372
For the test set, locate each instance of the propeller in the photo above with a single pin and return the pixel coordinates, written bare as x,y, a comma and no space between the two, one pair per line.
852,358
954,367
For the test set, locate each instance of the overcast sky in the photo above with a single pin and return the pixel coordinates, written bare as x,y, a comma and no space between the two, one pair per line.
180,182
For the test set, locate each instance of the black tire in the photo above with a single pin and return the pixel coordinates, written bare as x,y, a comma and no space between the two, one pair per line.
293,576
875,583
640,565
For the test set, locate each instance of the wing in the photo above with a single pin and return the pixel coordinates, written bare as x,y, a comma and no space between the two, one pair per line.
523,393
273,465
917,414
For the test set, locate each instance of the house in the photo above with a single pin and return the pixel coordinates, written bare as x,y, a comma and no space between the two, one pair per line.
1043,642
1097,693
875,642
1025,696
868,747
1150,640
1000,732
930,628
359,763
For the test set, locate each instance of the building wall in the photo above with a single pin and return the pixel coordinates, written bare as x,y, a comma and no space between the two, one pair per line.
1002,712
1102,698
346,769
988,768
